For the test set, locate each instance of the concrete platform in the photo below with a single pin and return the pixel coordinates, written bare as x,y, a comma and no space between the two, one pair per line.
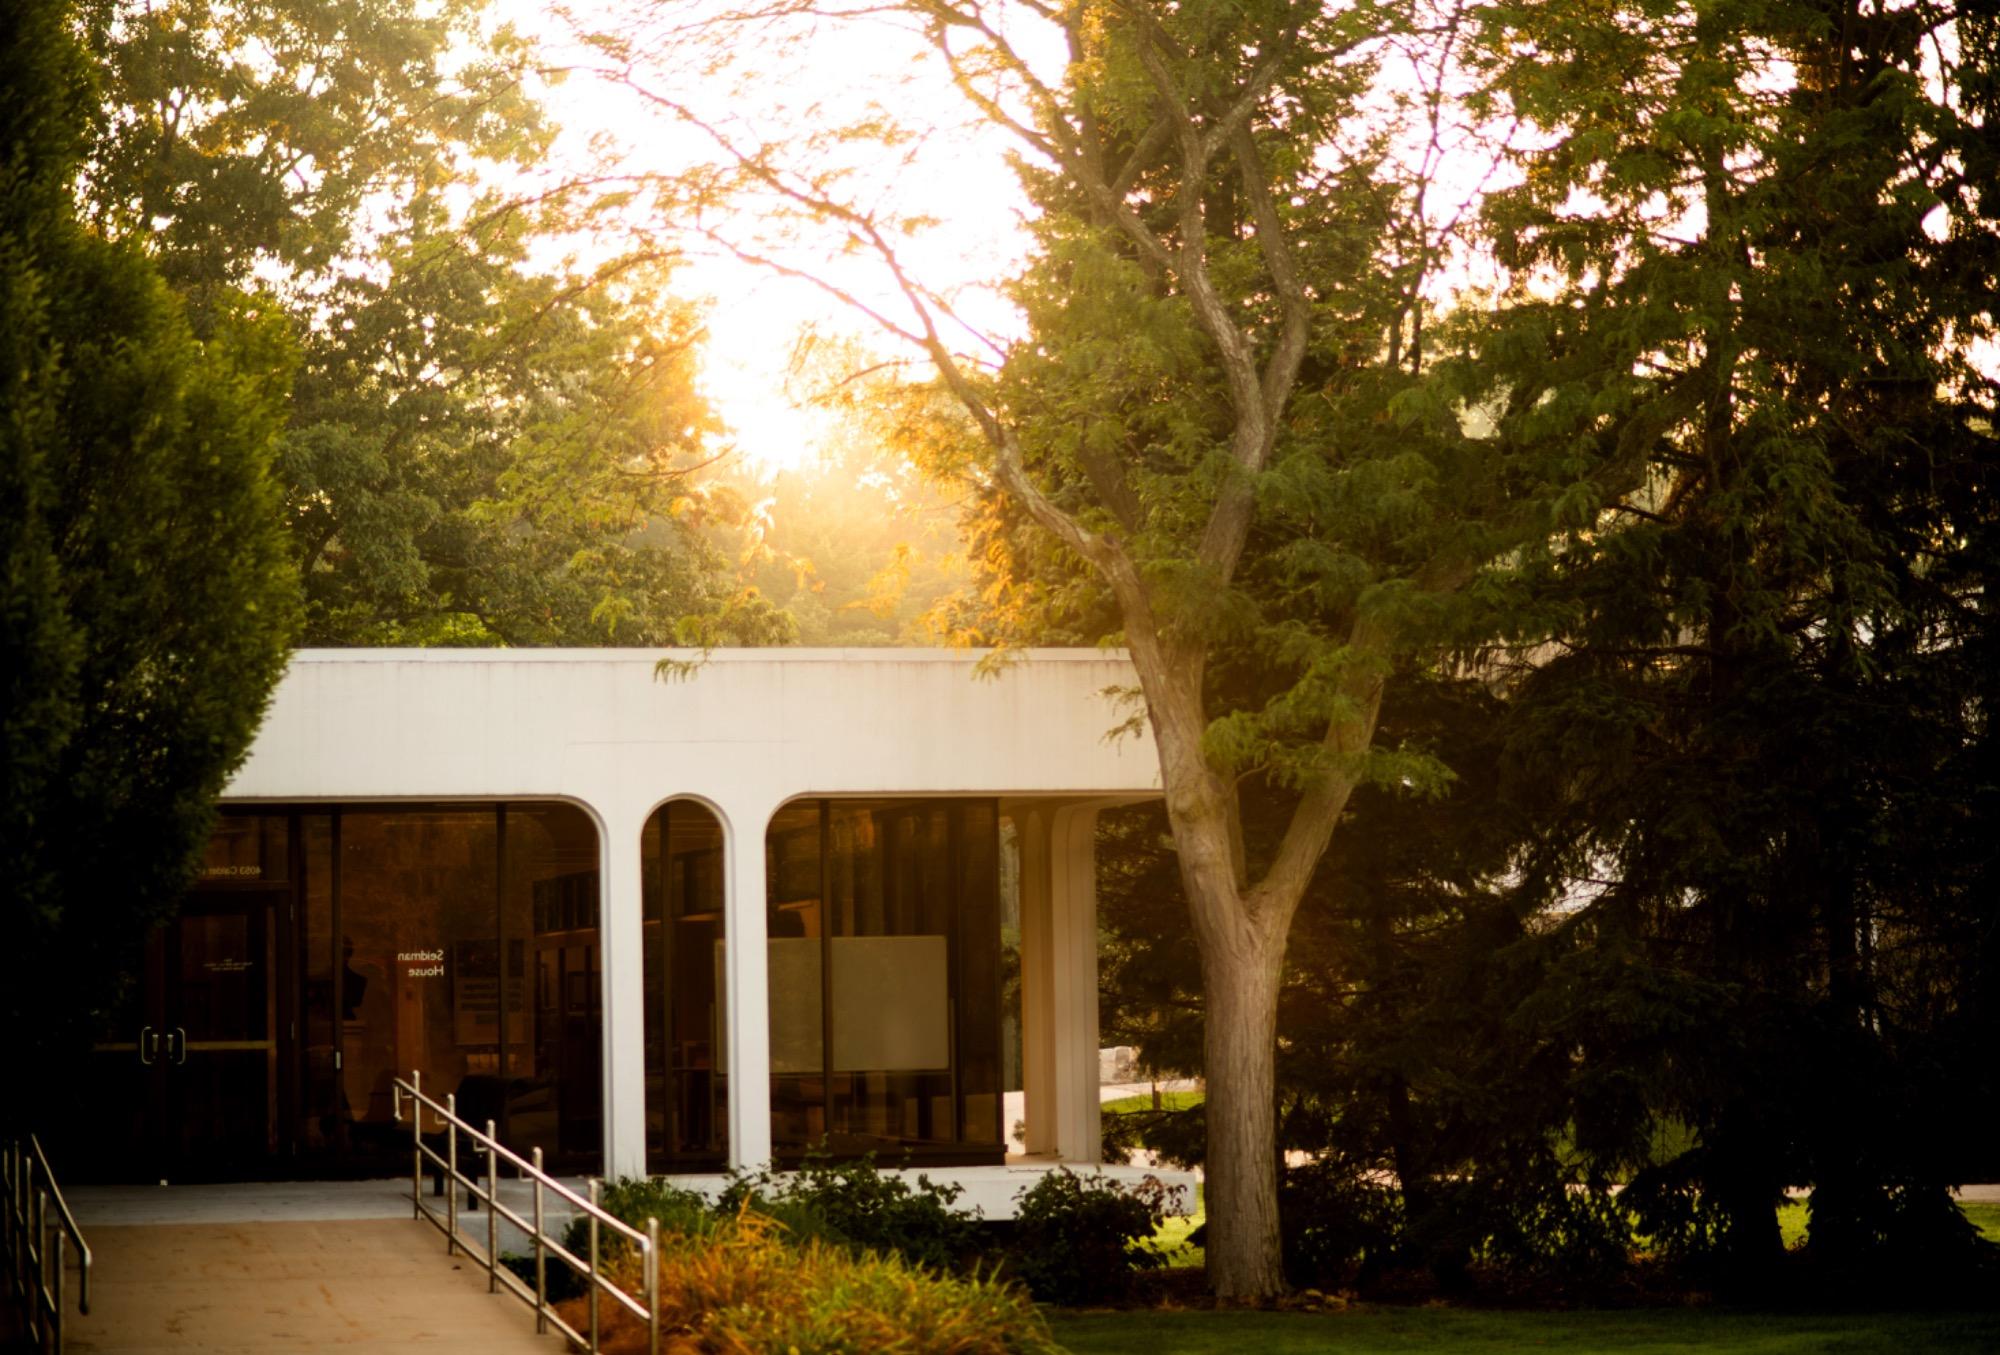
369,1287
994,1191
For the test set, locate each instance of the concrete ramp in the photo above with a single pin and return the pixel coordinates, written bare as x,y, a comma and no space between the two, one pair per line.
255,1288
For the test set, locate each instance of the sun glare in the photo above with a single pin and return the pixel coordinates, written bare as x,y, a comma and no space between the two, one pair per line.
755,316
745,370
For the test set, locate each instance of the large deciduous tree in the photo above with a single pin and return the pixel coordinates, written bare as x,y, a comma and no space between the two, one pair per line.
1726,435
1214,427
147,598
490,441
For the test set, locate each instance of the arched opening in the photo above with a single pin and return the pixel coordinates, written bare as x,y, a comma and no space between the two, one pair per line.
687,1084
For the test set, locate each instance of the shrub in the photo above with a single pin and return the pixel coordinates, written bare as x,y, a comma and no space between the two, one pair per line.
857,1205
635,1199
632,1200
1334,1224
746,1287
1082,1239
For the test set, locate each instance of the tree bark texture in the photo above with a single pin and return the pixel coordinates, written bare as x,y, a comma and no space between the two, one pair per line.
1240,929
1239,1048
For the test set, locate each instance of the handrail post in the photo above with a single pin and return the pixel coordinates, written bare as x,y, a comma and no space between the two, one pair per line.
652,1286
25,1194
596,1190
39,1269
7,1201
39,1300
17,1214
417,1143
541,1256
7,1204
57,1317
451,1173
492,1209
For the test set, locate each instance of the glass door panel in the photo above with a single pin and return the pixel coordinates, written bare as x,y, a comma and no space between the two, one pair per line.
219,1055
109,1118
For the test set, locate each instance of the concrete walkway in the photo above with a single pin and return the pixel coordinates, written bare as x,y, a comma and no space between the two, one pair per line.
288,1265
369,1287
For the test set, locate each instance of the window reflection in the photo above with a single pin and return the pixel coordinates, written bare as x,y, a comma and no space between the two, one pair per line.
885,978
553,984
461,943
686,1086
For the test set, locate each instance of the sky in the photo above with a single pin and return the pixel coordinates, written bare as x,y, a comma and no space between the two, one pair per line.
955,171
959,176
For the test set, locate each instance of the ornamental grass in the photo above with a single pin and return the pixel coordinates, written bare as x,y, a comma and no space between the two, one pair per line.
747,1287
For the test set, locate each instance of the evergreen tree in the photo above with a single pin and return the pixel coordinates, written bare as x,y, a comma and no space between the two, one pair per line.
1765,231
148,601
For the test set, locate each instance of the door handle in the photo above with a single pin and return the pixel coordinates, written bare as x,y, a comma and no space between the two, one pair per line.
149,1045
177,1046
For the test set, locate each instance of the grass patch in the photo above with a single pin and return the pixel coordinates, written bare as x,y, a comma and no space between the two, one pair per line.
1125,1105
1365,1331
1792,1220
1176,1252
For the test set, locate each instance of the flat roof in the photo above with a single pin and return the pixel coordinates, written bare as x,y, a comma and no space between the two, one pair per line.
752,727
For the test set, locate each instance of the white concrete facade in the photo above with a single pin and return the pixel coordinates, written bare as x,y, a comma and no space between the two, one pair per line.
744,732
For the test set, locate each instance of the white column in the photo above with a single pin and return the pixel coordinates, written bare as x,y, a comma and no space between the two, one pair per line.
1038,1016
1073,950
1059,978
622,936
747,986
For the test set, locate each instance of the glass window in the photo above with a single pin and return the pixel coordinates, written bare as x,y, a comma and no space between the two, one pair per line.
903,923
545,969
686,1084
246,849
322,1126
418,889
468,952
795,925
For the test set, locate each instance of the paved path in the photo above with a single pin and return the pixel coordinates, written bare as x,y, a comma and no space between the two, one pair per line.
360,1286
290,1202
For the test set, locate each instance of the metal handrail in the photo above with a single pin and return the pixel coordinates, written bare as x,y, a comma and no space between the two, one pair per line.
33,1233
498,1277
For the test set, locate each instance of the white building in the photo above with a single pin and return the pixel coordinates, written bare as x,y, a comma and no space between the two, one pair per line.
793,900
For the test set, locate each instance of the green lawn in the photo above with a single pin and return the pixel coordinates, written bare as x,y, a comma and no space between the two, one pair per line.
1365,1331
1144,1101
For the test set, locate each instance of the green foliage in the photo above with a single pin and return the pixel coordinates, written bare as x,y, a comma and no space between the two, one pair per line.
147,602
857,1205
486,445
1759,724
631,1200
1173,1130
1335,1225
269,133
747,1285
1082,1239
858,546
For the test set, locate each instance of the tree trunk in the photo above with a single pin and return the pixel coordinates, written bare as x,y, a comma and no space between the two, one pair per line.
1240,1053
